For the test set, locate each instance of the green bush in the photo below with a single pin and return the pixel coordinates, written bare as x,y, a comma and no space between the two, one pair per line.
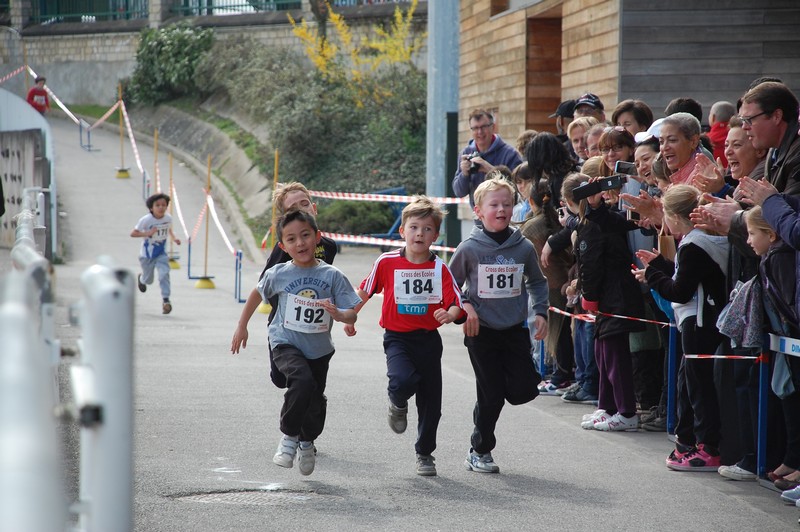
166,62
355,217
325,139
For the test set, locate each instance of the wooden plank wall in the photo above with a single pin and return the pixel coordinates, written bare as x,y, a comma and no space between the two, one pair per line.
591,50
708,51
492,67
543,73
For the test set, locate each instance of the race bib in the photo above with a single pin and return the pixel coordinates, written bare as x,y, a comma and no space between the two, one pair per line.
306,315
497,281
412,287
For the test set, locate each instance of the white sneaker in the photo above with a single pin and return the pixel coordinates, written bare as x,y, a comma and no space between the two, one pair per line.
482,463
618,423
734,472
287,448
306,457
587,417
598,415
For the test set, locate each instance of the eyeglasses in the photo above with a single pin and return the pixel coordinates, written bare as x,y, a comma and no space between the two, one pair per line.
615,148
748,120
481,128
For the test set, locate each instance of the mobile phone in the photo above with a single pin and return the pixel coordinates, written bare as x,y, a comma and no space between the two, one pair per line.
612,182
625,167
562,212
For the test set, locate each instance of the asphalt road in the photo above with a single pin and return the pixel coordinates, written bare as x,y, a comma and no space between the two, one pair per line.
206,422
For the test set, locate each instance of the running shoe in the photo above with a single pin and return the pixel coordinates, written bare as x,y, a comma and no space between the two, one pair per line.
287,449
482,463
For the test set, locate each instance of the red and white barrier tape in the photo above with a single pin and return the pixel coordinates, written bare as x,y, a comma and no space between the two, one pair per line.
266,236
372,241
174,193
199,220
381,197
105,116
12,74
583,317
592,318
728,357
210,203
131,137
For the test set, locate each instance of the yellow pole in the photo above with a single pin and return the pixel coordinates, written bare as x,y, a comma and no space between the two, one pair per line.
155,161
122,171
173,262
205,281
25,62
274,210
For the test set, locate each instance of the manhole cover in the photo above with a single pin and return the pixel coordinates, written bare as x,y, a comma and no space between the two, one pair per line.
256,497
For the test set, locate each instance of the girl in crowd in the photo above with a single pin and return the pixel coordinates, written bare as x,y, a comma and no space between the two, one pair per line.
607,287
777,276
543,223
696,285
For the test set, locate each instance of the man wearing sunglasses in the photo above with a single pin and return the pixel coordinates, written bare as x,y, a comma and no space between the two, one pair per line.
485,151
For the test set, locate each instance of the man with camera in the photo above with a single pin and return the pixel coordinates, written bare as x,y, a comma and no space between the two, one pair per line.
485,151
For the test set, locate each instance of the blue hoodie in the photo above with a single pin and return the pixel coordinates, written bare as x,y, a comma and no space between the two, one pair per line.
498,153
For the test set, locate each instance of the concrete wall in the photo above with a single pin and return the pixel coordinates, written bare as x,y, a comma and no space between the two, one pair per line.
84,62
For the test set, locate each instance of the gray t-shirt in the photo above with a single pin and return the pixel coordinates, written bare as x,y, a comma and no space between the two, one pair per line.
299,320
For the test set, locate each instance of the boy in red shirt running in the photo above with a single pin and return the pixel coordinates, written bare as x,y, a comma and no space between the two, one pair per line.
37,96
419,295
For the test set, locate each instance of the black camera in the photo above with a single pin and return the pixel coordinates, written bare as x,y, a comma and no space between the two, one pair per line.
605,183
625,167
472,166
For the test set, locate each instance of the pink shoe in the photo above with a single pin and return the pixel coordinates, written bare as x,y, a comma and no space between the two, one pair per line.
697,460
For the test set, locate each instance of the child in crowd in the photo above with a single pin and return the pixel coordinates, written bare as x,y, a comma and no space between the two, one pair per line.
154,228
607,287
419,296
493,263
289,196
310,293
696,285
777,275
586,374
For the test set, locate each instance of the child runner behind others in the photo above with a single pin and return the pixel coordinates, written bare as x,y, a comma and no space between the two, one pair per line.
310,293
292,195
154,228
419,295
494,262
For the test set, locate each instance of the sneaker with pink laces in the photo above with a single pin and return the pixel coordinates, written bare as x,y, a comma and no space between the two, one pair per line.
618,423
701,459
677,455
599,416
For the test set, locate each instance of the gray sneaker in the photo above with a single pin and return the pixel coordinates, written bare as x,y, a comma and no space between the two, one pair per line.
306,458
397,418
579,396
425,465
659,424
574,387
482,463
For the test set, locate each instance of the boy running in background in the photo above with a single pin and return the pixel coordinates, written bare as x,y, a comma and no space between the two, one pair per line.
154,228
309,294
419,296
493,263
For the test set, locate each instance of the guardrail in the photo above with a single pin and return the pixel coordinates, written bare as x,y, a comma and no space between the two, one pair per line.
30,477
32,497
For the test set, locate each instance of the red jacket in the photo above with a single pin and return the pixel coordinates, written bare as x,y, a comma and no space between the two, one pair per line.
37,97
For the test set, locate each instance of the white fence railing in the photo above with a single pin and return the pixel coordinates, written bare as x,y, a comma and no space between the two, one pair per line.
31,494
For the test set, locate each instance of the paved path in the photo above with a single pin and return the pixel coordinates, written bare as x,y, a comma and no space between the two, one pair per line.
206,421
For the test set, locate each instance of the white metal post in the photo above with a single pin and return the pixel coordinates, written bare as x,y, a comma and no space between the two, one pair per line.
104,399
31,497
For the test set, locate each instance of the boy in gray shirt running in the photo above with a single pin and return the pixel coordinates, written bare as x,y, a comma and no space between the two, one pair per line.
310,294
